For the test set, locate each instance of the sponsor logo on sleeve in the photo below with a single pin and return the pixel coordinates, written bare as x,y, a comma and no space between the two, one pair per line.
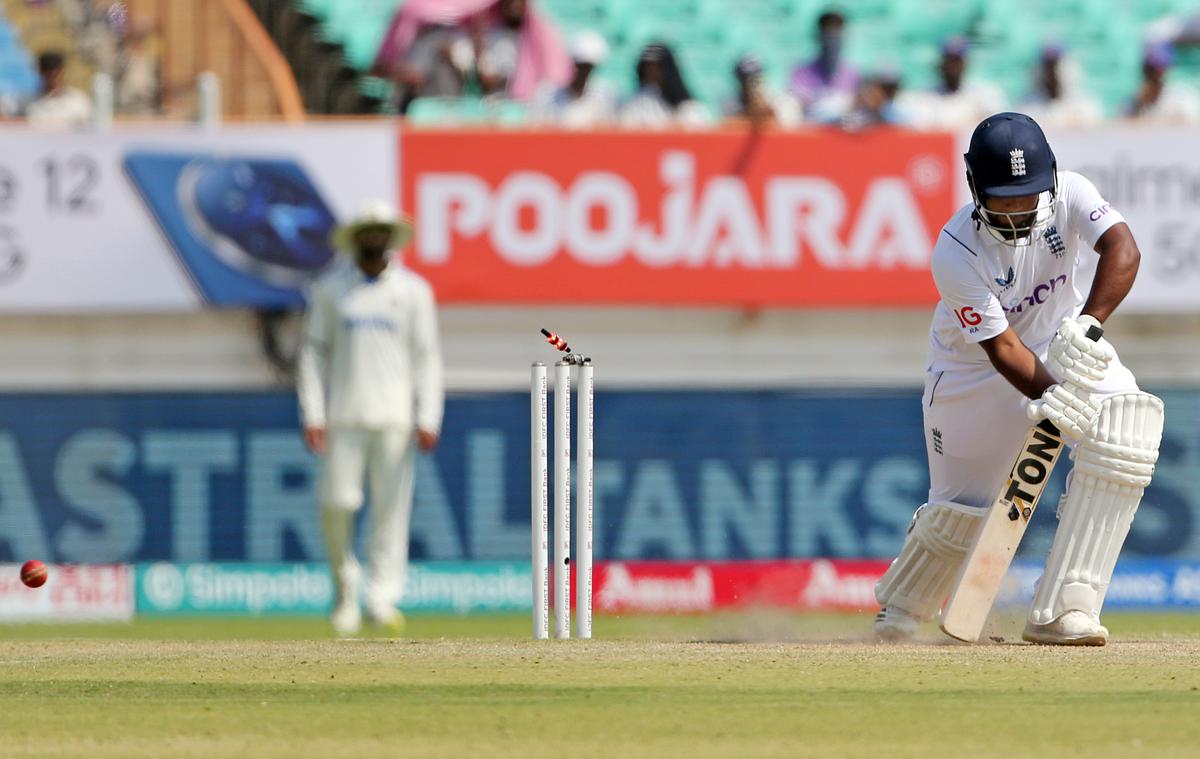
1099,212
969,319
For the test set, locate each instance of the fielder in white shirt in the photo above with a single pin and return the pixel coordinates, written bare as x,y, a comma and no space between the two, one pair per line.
370,390
1010,327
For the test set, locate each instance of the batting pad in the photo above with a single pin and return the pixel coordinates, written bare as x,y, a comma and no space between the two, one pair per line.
919,580
1113,466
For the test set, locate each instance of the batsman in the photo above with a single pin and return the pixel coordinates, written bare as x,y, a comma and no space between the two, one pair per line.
1009,346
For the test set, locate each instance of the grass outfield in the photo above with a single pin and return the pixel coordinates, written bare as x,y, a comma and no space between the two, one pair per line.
721,686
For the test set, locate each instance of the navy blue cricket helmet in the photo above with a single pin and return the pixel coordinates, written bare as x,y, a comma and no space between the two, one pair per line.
1009,157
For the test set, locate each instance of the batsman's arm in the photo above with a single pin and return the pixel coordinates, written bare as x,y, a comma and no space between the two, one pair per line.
1017,364
1115,273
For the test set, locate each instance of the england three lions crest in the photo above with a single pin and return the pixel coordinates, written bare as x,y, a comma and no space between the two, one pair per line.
1055,241
1017,156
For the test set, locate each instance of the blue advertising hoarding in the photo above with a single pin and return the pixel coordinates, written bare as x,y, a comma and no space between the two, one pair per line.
199,477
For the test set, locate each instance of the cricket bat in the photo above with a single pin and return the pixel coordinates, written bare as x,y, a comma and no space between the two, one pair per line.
987,562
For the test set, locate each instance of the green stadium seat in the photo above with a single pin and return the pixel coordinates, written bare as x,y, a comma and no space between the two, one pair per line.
361,44
375,87
467,111
318,9
449,111
932,20
708,36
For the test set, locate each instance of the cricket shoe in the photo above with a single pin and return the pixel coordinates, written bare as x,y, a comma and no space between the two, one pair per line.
1074,628
894,625
346,618
387,618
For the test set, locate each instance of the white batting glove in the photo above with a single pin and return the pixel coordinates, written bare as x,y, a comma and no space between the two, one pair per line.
1076,360
1072,411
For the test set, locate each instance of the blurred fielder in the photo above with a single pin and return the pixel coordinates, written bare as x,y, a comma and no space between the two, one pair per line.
1010,327
370,389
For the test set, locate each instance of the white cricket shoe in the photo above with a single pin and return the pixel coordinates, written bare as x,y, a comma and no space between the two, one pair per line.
346,618
387,617
895,625
1074,628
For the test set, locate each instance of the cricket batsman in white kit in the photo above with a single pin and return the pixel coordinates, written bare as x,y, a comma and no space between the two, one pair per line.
1008,340
370,390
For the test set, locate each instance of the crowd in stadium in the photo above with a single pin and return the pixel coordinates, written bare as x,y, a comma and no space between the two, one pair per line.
515,53
105,39
511,50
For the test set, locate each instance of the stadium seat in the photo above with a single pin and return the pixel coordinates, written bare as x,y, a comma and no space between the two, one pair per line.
467,111
709,35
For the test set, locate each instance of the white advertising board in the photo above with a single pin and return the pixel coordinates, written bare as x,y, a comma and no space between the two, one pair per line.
175,218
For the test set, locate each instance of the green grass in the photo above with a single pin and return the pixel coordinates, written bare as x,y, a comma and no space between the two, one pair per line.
719,686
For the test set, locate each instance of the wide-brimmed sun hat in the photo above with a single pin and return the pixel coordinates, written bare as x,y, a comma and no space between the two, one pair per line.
376,214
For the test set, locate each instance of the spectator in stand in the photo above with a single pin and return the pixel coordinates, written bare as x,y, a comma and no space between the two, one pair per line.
875,103
138,90
496,39
430,67
959,102
1158,100
1058,99
825,86
586,102
662,99
756,102
441,47
59,104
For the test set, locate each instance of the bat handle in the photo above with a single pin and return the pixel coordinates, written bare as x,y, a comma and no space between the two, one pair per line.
1033,410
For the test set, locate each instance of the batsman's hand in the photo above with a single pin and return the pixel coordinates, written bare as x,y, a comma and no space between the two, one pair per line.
314,438
1071,410
1075,359
427,440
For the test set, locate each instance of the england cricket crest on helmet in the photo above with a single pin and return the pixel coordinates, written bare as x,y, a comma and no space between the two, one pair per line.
1018,162
1009,157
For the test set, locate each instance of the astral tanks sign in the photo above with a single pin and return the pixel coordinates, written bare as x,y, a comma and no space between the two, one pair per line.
212,477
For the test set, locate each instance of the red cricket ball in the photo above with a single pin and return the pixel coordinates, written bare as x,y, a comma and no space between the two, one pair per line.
34,573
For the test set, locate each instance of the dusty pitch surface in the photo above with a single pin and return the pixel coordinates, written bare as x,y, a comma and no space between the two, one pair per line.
509,697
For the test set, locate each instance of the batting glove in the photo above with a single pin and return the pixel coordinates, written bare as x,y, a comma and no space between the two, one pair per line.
1075,359
1072,411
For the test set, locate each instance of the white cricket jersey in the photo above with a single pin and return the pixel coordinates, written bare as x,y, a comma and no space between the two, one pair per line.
987,286
371,356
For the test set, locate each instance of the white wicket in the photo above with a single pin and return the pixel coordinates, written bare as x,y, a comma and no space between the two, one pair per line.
539,486
540,511
583,531
562,500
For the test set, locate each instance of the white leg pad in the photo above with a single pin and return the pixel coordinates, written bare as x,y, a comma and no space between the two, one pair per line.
919,580
1113,466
